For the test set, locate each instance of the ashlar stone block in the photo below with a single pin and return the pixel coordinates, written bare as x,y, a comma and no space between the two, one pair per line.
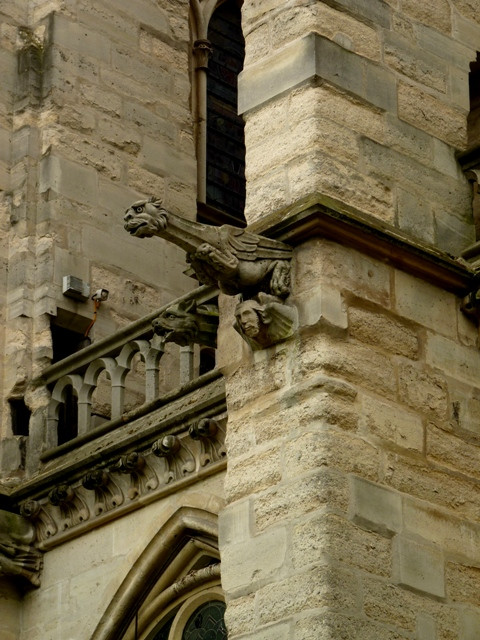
419,566
234,523
254,561
377,328
322,304
470,625
315,56
375,507
430,114
463,583
452,534
453,359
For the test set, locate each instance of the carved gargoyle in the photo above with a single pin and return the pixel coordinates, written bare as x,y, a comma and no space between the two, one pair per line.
187,323
233,259
18,556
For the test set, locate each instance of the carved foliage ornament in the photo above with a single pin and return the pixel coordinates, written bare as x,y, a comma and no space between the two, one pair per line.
101,491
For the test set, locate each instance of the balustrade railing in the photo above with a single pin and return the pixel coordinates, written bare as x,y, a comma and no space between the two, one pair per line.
73,381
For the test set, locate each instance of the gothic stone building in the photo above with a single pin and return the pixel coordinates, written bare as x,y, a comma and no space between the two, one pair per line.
309,470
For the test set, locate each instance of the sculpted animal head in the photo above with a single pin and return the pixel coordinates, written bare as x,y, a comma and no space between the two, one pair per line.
177,324
186,323
145,218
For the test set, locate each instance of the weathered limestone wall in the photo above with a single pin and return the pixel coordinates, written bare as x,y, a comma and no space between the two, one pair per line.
96,114
363,101
80,577
352,482
10,607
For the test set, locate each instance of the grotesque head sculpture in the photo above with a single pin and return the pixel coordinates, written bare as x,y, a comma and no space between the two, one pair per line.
145,218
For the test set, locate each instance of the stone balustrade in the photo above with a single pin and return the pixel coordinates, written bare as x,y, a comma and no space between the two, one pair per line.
74,379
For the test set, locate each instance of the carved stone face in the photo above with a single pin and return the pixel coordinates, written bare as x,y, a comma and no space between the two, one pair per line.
145,218
247,318
176,325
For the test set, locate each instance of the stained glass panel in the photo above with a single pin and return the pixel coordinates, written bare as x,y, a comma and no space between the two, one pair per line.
206,623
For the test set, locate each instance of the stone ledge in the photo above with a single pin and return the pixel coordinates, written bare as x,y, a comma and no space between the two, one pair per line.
310,57
321,216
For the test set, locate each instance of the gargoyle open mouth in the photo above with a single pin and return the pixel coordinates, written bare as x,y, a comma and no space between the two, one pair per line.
134,226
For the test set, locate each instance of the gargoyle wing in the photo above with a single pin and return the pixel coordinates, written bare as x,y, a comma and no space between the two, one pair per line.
250,246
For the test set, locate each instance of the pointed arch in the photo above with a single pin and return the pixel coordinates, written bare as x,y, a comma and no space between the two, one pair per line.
187,527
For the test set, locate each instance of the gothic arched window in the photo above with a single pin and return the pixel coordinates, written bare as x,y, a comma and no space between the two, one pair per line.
200,618
219,53
173,591
473,120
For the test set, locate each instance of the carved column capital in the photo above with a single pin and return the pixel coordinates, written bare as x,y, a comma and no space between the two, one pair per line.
202,50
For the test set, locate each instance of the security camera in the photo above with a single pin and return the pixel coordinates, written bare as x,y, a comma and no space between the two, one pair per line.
100,295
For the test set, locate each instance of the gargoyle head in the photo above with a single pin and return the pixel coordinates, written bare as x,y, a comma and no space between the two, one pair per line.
145,218
177,323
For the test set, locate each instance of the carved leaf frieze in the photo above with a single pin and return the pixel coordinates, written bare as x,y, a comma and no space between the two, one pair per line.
103,490
142,477
177,457
73,509
40,517
210,435
108,494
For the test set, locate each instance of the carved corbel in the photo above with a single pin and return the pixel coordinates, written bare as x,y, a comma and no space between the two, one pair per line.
210,434
202,50
142,478
42,521
179,460
73,509
107,493
18,557
265,320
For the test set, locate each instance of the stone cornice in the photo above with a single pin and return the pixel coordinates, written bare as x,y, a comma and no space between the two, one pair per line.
321,216
116,473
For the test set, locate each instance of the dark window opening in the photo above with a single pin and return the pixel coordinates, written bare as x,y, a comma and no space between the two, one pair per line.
68,334
207,360
68,417
473,121
20,415
225,128
206,623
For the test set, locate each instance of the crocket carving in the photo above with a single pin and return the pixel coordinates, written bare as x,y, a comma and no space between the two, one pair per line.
235,260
